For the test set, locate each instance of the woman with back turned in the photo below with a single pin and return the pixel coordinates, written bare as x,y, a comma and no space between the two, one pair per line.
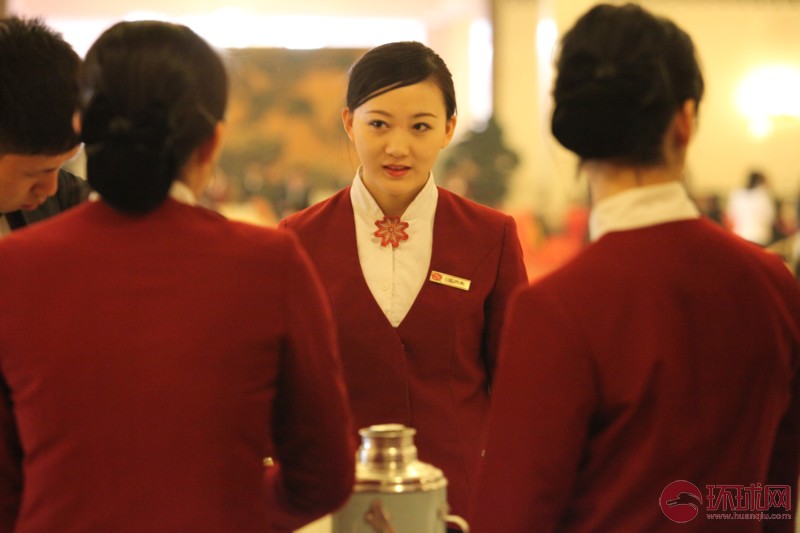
660,364
157,351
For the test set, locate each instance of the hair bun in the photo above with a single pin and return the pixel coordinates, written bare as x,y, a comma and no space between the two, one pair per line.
148,128
593,121
602,110
623,73
129,159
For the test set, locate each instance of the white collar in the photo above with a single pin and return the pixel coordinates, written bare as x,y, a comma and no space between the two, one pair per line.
423,207
641,207
181,192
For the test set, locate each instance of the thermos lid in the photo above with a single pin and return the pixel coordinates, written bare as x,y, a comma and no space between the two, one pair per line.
387,461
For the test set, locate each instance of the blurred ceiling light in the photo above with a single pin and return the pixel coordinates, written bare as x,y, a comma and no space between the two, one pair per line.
769,93
481,57
546,39
235,28
144,15
546,42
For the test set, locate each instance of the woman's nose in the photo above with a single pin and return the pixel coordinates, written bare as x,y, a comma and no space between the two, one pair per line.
397,144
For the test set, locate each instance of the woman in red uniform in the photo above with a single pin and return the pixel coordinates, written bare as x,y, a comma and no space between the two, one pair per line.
152,352
653,380
418,277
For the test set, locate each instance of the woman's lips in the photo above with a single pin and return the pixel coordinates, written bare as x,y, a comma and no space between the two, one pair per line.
396,171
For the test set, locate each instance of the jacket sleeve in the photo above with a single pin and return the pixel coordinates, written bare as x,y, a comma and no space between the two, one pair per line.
784,465
543,399
511,275
312,424
10,464
783,468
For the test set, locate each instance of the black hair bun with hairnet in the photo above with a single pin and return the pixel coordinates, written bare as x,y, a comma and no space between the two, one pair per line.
129,161
605,110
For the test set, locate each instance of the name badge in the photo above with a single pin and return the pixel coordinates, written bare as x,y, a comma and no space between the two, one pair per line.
450,281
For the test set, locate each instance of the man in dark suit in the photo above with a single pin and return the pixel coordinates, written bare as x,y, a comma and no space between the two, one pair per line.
38,101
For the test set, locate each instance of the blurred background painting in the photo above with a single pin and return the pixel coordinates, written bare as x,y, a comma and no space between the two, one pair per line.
285,145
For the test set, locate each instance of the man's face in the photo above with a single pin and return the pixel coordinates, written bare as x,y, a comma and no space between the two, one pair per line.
26,181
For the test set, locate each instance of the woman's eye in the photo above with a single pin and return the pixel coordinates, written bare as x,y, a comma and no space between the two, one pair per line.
422,126
378,124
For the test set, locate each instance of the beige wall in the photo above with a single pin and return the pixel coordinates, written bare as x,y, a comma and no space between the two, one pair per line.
545,180
731,37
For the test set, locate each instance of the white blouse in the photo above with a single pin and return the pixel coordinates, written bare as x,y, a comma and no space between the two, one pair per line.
181,192
394,275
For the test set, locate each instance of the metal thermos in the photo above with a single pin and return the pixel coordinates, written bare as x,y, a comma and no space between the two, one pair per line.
394,492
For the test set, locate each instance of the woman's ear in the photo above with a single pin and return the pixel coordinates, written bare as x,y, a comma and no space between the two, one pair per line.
449,130
199,169
686,122
208,152
347,121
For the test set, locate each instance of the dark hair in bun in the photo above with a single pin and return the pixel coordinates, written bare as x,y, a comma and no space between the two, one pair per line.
622,75
152,93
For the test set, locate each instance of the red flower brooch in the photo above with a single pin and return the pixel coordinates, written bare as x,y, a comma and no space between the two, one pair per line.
391,231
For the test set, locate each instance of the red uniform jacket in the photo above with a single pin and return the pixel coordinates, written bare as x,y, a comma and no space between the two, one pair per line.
432,372
659,354
148,364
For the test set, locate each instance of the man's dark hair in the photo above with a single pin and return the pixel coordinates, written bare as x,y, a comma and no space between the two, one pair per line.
38,89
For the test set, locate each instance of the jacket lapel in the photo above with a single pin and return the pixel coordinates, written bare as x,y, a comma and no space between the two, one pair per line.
436,302
345,279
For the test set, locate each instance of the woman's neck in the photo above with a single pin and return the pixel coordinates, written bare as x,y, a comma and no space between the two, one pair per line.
607,179
392,205
195,177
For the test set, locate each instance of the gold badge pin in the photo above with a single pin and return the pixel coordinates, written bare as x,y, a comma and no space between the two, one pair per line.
450,281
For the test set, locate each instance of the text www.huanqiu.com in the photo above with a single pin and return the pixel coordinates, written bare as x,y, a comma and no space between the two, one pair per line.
748,516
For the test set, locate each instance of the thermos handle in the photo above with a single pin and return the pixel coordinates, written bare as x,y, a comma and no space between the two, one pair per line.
457,520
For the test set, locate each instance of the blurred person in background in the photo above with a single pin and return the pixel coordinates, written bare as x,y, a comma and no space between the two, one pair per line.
419,277
38,102
789,246
751,210
156,352
661,364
